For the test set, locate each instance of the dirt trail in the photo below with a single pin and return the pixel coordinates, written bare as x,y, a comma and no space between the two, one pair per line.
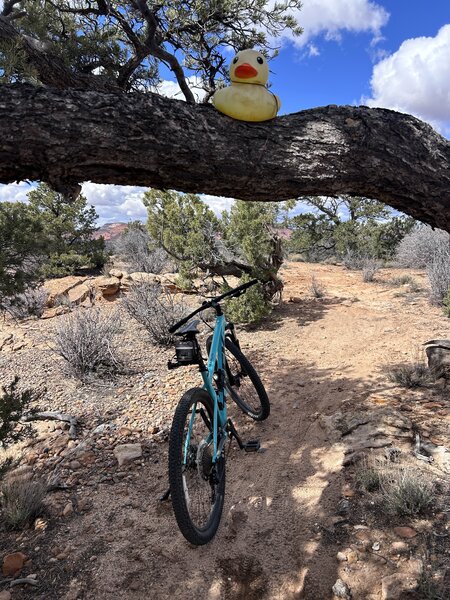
273,542
276,540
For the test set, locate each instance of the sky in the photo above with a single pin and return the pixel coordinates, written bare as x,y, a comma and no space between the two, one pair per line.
380,53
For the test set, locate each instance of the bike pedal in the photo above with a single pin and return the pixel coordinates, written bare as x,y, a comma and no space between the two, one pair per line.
252,446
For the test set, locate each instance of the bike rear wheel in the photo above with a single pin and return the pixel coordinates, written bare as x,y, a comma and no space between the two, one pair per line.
243,383
197,485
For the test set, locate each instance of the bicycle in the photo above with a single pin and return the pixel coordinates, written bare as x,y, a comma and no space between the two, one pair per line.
201,427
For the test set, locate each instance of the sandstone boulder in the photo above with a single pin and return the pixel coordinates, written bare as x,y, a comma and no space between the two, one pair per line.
107,286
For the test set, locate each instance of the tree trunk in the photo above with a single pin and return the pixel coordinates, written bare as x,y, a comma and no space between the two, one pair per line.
66,137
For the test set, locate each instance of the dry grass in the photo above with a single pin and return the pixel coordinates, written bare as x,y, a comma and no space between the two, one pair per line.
406,492
21,503
400,490
316,288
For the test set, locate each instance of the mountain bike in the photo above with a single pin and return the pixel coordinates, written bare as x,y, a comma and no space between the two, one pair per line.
201,427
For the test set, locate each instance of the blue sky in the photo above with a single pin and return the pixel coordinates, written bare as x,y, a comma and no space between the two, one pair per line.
389,53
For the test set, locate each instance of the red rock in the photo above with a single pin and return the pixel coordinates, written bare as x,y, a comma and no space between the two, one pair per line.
13,564
405,532
431,405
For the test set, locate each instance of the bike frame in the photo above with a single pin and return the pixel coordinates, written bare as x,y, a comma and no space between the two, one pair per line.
215,364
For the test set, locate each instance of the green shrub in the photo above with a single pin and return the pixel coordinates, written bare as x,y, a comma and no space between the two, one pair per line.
406,492
251,307
447,303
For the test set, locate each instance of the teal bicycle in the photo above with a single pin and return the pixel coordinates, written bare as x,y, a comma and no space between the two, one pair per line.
201,427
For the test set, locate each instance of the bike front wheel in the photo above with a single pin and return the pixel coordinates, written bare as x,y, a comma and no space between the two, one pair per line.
243,383
197,485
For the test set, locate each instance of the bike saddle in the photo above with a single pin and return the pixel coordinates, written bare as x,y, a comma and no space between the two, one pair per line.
189,328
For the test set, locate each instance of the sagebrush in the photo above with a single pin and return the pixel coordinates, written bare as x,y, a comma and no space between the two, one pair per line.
155,308
417,248
86,340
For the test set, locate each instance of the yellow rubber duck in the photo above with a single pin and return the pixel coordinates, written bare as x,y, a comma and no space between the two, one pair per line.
247,98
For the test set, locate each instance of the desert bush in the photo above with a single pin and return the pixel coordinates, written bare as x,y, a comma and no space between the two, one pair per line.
438,271
418,247
249,308
13,402
30,303
405,492
21,502
85,339
370,267
447,303
134,247
410,375
316,288
155,308
368,474
352,260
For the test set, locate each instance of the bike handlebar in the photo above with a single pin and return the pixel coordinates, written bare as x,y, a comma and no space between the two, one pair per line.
208,304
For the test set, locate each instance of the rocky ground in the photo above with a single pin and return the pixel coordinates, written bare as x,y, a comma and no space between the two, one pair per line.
296,523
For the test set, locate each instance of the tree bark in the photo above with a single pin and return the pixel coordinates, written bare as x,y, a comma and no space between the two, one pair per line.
66,137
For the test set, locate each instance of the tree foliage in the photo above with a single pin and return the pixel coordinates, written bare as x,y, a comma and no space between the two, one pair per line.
21,245
183,226
347,225
67,231
123,44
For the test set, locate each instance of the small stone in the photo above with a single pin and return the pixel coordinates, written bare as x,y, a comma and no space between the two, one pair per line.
40,525
341,556
405,532
431,405
68,510
341,590
124,431
13,564
84,504
352,556
376,546
347,491
74,465
126,453
153,429
399,547
5,595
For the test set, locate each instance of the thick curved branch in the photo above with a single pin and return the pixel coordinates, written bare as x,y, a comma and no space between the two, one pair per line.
65,137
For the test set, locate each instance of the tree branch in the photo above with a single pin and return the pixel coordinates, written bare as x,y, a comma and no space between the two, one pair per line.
66,137
50,68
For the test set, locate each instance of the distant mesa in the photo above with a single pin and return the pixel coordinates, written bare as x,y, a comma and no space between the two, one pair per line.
110,231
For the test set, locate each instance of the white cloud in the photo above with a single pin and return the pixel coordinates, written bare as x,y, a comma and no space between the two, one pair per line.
330,18
116,203
217,203
15,192
416,79
171,89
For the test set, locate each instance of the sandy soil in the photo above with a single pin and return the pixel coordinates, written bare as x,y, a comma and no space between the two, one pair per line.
315,356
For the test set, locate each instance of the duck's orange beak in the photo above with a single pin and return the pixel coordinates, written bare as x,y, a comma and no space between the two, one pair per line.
245,71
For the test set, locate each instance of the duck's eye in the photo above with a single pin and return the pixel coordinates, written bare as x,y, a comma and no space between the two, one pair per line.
235,59
260,60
